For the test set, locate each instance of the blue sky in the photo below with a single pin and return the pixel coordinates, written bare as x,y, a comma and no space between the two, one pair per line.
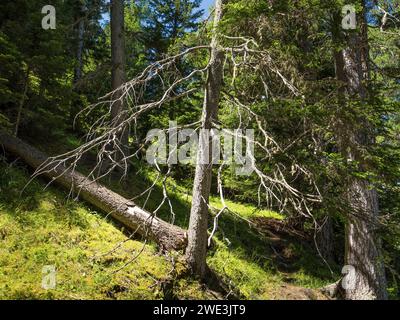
206,5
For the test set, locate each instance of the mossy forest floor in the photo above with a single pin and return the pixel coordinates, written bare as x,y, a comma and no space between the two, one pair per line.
95,259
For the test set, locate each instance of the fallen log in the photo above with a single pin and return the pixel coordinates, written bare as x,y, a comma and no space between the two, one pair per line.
125,211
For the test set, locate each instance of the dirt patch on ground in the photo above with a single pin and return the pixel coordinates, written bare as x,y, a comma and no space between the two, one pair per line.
291,292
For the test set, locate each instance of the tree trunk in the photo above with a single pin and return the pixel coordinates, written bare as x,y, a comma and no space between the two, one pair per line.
125,211
79,48
22,101
197,234
80,31
325,239
118,109
362,249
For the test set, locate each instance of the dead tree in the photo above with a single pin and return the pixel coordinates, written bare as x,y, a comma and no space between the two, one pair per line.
196,250
123,210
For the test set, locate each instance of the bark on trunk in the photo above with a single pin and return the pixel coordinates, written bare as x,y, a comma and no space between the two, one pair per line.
79,49
325,239
362,250
22,101
118,113
125,211
80,31
197,234
362,244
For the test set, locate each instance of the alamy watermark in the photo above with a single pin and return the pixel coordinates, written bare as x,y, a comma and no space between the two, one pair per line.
181,146
349,21
349,279
49,277
49,20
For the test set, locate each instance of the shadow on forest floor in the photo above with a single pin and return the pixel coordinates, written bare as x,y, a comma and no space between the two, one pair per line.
263,242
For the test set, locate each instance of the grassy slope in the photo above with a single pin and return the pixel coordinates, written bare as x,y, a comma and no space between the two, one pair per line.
43,228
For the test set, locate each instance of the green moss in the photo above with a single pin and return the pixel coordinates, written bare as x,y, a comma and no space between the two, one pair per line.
41,227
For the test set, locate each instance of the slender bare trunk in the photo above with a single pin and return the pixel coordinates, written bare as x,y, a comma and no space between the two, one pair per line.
80,31
197,235
22,101
79,48
118,110
362,250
